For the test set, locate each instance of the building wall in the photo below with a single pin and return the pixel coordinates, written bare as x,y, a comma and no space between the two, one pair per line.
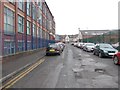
24,26
1,28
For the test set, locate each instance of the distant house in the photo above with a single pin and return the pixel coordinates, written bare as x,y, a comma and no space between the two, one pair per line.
67,39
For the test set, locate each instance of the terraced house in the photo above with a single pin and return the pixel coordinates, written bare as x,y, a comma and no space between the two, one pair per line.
25,25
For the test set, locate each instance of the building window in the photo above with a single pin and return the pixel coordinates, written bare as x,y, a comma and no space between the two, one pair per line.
12,1
34,12
40,5
21,5
21,45
8,21
9,47
34,30
40,33
29,8
28,27
20,24
28,45
43,34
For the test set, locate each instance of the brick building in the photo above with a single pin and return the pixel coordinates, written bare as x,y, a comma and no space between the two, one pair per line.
25,26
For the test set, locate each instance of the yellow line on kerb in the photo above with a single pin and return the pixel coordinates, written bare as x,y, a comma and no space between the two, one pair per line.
21,75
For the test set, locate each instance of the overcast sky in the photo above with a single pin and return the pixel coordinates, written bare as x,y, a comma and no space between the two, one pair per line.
84,14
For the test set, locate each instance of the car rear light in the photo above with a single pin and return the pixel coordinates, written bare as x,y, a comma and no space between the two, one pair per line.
57,49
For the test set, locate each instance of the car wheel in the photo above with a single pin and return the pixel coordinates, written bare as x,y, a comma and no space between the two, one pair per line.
100,55
58,53
115,59
47,54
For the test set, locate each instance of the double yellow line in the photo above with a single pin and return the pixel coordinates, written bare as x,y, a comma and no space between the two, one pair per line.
21,75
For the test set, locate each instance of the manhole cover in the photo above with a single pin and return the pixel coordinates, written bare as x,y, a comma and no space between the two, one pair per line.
99,70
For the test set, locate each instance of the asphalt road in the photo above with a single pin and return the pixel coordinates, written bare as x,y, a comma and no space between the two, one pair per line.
74,68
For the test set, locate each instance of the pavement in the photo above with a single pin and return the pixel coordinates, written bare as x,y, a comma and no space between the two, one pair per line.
11,67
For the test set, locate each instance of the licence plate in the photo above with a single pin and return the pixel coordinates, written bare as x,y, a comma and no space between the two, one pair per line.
52,50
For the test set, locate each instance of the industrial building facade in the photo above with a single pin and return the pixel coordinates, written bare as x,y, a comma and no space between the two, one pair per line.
25,26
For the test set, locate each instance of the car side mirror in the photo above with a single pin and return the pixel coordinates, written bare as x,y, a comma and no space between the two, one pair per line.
97,46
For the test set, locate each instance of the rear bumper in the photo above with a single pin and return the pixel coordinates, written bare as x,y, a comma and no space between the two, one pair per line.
55,52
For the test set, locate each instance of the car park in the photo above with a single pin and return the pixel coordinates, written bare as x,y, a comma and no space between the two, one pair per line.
116,58
104,50
53,49
89,47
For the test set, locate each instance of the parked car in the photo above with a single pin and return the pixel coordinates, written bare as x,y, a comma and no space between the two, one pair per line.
53,49
83,45
104,49
78,44
116,58
62,45
89,47
75,44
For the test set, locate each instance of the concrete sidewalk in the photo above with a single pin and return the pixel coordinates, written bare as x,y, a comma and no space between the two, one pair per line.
10,66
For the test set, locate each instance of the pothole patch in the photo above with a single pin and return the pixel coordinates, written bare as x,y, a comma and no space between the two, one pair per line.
100,70
76,70
78,75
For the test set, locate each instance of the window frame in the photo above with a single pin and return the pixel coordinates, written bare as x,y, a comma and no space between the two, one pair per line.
20,24
9,21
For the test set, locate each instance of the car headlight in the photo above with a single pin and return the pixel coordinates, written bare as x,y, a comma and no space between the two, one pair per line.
116,52
105,51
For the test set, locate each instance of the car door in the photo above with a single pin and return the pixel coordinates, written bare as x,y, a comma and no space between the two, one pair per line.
96,49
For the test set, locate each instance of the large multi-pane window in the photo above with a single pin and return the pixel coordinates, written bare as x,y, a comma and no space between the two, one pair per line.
28,45
34,12
29,8
8,21
20,24
40,5
28,28
21,45
9,47
12,1
43,34
39,15
34,30
21,4
40,32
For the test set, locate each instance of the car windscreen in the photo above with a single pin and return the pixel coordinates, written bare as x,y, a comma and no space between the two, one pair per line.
53,46
105,46
90,44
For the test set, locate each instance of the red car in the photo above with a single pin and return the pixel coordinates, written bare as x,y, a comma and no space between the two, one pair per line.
116,58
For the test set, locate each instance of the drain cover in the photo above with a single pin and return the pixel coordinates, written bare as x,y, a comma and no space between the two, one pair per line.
99,70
